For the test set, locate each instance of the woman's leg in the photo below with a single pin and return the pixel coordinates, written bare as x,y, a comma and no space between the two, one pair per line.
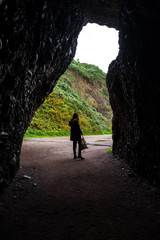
79,148
74,148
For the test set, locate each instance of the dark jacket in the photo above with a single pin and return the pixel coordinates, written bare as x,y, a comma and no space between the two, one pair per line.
75,130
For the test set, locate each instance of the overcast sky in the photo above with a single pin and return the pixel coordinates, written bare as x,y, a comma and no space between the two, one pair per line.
97,45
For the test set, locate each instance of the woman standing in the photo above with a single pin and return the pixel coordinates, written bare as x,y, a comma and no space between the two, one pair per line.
76,135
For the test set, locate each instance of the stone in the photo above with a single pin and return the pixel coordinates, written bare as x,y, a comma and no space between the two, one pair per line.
27,177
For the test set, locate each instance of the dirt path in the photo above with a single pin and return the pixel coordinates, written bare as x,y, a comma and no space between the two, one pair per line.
93,199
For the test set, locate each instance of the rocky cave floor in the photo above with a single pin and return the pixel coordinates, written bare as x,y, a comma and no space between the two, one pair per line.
56,197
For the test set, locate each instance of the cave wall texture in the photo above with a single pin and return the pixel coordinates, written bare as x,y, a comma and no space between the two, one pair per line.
133,82
38,41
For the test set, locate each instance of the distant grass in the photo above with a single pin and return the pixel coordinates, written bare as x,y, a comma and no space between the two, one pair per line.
43,133
109,150
88,71
52,118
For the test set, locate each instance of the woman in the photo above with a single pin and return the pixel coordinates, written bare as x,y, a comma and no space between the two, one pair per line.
76,135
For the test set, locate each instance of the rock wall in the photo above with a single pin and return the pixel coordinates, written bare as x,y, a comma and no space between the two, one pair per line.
103,12
133,82
37,42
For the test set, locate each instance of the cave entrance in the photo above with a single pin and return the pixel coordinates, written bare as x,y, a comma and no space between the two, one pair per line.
97,45
82,88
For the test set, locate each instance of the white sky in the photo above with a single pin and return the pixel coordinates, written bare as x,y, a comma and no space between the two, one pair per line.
97,45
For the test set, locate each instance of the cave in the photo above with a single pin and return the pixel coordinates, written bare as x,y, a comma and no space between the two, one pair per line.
38,40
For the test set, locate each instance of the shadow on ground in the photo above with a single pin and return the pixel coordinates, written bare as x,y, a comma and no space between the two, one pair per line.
56,197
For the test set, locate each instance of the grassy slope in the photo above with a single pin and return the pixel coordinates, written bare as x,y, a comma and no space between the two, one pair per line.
82,89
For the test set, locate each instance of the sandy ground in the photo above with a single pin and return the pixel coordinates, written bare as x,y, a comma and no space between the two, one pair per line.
54,197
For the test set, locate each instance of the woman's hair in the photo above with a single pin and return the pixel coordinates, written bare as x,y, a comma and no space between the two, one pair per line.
75,115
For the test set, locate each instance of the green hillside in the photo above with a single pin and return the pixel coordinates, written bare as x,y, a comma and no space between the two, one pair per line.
80,89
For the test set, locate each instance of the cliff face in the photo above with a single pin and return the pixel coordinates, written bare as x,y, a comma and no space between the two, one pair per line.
37,42
133,82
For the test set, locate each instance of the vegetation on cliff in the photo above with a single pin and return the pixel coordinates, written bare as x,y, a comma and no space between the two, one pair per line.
81,89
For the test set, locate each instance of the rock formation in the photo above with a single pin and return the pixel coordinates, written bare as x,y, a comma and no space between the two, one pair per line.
133,82
38,41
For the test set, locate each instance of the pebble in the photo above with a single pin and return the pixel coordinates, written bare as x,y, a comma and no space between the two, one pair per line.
27,177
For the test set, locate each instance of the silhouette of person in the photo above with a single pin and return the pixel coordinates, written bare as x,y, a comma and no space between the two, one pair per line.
75,136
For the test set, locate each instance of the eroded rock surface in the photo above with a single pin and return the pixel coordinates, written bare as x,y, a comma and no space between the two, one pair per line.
37,43
133,82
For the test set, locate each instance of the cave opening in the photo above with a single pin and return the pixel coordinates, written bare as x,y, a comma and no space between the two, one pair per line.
98,45
84,80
